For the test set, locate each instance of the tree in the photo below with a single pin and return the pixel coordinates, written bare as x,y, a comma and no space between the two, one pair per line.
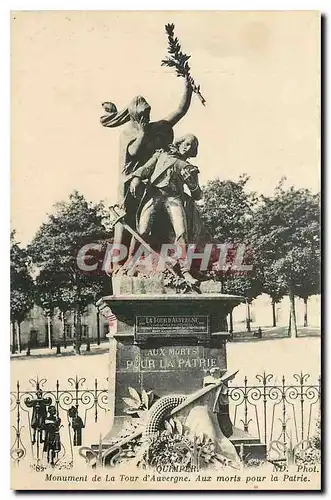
228,212
47,297
228,209
310,279
21,289
55,249
248,286
286,241
273,286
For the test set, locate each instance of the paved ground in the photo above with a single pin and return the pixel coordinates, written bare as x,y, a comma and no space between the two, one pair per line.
279,332
268,333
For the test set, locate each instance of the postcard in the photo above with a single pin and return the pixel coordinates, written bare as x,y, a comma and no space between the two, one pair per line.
165,250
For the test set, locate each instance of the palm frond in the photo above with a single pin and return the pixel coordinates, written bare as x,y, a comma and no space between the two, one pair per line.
178,60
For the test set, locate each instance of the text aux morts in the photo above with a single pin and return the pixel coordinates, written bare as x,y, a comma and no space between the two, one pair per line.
168,358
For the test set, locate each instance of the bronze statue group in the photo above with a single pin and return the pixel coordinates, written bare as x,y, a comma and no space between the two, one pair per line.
153,172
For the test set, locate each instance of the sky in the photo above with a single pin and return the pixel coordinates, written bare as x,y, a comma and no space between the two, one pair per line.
258,71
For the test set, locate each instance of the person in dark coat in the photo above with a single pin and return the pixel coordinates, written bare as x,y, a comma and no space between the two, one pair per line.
39,414
77,425
52,443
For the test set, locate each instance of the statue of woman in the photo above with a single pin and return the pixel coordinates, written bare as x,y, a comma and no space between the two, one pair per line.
138,143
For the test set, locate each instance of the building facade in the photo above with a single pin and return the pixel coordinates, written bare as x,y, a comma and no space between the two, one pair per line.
37,329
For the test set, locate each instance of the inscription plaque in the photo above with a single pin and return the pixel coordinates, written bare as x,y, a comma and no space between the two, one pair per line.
147,327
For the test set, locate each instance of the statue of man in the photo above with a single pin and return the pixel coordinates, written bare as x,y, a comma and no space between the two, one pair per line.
138,143
166,174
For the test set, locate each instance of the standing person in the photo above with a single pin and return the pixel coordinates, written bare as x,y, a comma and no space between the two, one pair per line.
138,143
39,414
166,174
77,425
52,443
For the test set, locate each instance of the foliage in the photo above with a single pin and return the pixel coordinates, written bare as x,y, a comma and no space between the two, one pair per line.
54,252
285,236
228,210
247,286
273,284
21,283
308,457
73,225
312,454
47,292
139,402
316,439
177,283
176,446
179,60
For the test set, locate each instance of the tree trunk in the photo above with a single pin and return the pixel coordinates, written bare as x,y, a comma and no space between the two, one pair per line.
248,317
13,345
305,315
98,327
49,331
64,335
78,329
19,343
274,321
292,327
231,322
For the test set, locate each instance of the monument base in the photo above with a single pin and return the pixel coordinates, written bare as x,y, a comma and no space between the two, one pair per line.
168,345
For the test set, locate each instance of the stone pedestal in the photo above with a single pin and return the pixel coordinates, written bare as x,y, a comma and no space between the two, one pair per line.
167,344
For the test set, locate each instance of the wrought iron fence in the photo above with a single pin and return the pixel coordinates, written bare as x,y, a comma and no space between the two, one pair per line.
281,415
278,414
76,409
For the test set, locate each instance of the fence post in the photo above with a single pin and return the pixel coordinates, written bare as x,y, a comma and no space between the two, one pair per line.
283,411
302,380
265,406
18,423
245,405
76,392
57,396
95,400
